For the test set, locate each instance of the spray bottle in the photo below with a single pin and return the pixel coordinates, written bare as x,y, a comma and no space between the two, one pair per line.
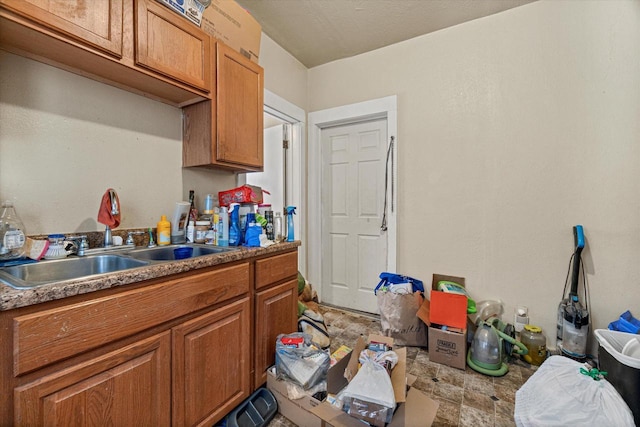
291,211
235,234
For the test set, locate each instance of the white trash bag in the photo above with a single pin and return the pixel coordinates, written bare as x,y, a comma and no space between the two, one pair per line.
558,394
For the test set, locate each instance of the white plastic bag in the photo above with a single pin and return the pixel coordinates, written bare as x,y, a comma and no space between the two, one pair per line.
557,394
372,384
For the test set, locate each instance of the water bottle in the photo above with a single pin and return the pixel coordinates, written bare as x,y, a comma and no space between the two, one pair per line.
277,228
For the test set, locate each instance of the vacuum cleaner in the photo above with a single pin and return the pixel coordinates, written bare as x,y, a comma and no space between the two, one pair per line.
493,342
573,317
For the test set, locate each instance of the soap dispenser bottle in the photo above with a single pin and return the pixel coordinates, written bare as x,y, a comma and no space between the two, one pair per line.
235,234
164,231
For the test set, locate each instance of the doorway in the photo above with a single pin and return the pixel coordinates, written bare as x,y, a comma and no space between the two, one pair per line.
352,213
284,171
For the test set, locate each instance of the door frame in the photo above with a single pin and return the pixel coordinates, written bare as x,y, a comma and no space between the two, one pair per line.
296,169
347,114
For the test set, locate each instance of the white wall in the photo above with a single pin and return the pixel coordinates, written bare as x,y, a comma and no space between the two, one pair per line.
65,139
283,74
512,129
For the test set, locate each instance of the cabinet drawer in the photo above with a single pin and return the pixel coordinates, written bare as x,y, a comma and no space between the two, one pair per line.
276,268
52,335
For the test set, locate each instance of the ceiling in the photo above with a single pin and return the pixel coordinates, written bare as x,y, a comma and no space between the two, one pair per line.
319,31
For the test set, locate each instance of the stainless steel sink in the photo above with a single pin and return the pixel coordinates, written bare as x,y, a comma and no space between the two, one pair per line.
166,253
31,275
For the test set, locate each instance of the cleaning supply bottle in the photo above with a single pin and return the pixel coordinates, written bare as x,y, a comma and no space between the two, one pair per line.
291,211
235,234
164,231
223,227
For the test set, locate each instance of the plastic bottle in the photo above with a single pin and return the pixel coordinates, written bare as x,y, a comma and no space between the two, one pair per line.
191,232
235,233
269,228
12,234
533,338
291,211
223,227
164,231
277,228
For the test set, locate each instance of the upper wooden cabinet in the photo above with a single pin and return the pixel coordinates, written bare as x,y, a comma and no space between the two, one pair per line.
137,45
97,23
172,46
227,132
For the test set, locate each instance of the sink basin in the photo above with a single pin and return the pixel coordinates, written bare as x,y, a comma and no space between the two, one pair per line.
31,275
166,253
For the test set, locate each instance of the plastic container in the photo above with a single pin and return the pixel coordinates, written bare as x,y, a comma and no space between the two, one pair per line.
164,231
291,211
277,228
256,411
623,371
223,228
235,233
535,341
182,253
191,232
202,228
179,222
208,204
12,233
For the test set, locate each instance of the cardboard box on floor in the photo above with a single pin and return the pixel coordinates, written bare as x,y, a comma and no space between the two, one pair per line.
414,408
448,347
227,21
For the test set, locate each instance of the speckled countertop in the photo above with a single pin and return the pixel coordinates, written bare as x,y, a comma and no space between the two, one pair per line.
11,298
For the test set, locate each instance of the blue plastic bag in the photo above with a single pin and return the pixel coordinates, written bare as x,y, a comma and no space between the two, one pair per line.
387,279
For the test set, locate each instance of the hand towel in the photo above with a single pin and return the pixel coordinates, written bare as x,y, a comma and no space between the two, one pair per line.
104,213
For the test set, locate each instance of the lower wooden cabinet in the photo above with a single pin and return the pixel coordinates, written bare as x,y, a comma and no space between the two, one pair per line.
211,364
276,313
130,386
180,351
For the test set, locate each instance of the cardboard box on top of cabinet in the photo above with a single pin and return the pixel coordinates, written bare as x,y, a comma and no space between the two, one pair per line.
227,21
190,9
446,346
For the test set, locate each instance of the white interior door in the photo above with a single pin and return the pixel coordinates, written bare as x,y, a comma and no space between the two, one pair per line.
354,247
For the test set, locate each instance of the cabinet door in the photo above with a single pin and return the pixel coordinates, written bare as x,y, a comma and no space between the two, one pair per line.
127,387
240,109
96,23
169,44
211,363
276,313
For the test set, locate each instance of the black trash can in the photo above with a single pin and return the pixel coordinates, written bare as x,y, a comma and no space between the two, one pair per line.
623,372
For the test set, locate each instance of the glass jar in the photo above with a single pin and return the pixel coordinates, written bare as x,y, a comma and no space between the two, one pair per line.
12,234
535,341
202,228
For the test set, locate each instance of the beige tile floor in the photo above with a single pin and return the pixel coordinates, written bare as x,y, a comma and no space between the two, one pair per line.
466,398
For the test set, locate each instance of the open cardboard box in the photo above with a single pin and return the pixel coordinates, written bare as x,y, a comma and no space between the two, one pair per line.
298,410
414,408
447,346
